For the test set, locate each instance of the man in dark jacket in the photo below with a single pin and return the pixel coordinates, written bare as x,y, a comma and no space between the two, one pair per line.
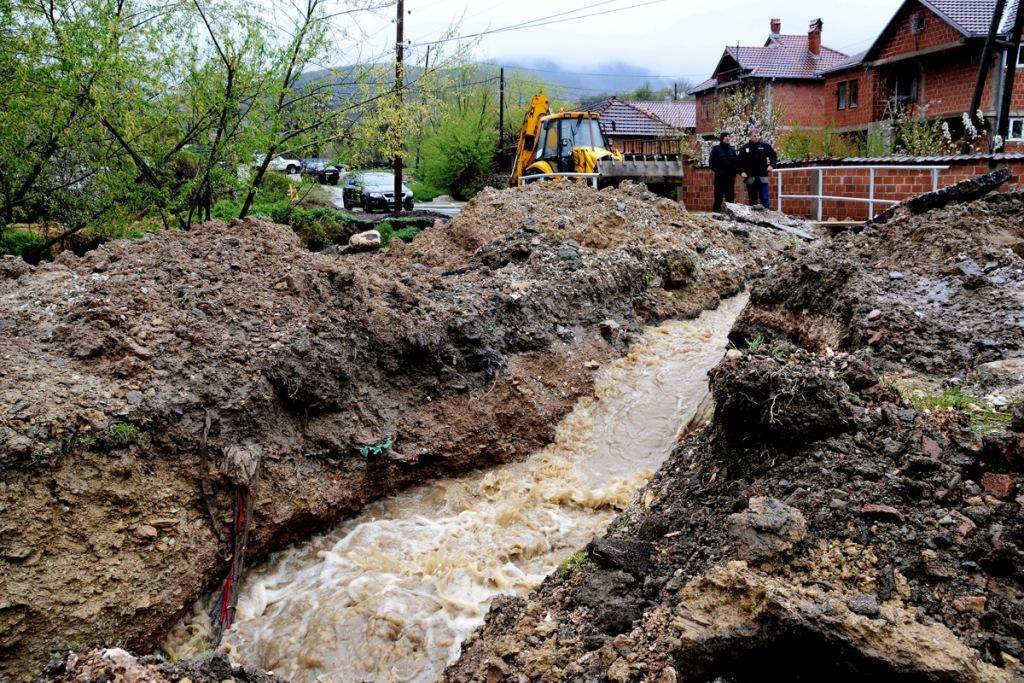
723,163
755,161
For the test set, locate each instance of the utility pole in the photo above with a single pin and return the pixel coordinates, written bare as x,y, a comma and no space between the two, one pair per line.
399,86
675,86
1003,122
983,69
501,109
419,138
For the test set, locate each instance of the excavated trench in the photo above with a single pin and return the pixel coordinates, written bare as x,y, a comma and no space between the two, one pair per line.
391,594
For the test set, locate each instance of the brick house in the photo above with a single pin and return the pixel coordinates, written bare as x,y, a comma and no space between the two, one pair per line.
925,60
646,127
786,70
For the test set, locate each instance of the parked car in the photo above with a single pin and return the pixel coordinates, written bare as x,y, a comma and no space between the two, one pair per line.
281,164
323,171
374,191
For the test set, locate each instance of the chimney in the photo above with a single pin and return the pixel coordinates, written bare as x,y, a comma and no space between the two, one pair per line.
776,26
814,37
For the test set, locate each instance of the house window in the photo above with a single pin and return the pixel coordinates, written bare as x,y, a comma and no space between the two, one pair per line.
905,86
1020,57
854,94
1017,129
841,96
917,24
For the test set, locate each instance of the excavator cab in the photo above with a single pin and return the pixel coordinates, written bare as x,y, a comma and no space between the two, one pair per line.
562,133
565,142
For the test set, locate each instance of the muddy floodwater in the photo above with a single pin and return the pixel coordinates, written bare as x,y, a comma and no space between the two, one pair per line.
391,594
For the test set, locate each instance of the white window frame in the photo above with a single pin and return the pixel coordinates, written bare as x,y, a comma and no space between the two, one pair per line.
1019,120
1020,57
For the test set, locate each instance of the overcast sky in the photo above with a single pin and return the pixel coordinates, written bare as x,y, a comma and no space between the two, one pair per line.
681,38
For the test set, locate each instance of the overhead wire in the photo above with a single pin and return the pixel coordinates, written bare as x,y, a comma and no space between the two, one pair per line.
536,23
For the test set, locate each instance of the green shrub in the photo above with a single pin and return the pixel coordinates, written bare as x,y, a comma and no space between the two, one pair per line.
275,186
817,143
17,242
458,154
388,233
226,209
422,192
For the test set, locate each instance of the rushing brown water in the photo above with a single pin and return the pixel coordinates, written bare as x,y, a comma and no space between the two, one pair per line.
391,594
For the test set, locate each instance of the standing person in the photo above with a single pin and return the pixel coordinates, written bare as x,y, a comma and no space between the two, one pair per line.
723,163
756,160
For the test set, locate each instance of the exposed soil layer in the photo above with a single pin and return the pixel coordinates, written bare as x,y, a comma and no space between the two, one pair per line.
820,527
143,372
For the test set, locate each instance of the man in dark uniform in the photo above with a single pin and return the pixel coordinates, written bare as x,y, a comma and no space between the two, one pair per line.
723,163
755,161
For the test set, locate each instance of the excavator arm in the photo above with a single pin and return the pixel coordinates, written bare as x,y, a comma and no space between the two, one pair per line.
540,107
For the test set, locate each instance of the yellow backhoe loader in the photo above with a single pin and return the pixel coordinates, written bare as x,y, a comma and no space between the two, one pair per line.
571,144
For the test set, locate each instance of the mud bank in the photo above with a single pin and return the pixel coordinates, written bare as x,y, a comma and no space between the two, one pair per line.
846,514
229,359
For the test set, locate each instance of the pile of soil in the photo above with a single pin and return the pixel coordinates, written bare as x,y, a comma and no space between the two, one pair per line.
939,291
820,527
230,360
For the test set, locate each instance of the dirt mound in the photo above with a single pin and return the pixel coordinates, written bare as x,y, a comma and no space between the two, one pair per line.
612,218
825,525
157,390
939,291
891,549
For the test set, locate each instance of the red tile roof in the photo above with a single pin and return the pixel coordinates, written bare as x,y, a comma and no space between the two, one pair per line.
785,57
853,60
971,17
621,118
782,56
676,113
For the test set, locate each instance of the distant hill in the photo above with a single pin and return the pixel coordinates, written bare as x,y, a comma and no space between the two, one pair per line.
608,78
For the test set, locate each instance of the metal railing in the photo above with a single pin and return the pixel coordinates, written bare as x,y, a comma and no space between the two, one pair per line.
870,200
591,177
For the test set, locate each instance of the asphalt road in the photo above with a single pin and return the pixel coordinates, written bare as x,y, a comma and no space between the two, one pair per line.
446,208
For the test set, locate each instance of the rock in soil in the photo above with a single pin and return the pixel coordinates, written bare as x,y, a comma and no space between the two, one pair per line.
823,526
148,382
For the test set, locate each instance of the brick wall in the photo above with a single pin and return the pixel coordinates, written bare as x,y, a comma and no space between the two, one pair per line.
801,103
901,39
850,181
706,103
871,98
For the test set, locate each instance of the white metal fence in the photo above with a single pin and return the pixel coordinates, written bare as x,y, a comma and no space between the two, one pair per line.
871,200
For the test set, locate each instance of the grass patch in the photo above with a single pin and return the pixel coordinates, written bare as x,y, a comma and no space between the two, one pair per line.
122,434
16,242
575,560
983,416
756,343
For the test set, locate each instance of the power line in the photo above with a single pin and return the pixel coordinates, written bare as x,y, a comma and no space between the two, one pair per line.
536,23
515,67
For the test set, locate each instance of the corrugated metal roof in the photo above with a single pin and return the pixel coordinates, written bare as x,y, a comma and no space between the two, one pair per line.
673,112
